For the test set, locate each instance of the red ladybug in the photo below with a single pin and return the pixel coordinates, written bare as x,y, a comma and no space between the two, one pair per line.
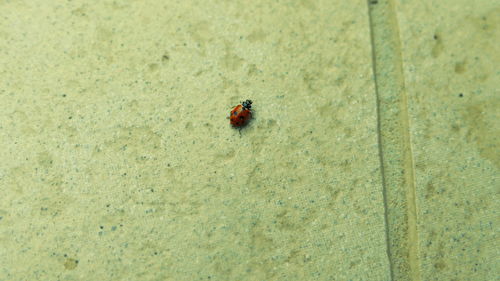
241,114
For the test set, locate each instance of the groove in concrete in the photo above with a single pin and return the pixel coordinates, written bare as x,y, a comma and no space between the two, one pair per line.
394,142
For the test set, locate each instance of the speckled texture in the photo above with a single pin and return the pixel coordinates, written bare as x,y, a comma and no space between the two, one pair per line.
118,162
450,55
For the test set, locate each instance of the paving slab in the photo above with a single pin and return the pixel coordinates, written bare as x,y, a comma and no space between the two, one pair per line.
118,162
450,59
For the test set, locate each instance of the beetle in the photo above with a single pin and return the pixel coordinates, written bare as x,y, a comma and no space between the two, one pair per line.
241,114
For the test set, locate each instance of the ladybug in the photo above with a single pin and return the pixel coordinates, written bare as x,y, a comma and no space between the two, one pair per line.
241,114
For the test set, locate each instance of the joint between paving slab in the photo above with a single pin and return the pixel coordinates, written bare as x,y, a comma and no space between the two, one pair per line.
396,158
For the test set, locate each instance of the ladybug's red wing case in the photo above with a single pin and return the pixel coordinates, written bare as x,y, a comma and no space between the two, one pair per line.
241,114
240,119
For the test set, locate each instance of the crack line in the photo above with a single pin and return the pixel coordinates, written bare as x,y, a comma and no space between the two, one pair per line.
396,157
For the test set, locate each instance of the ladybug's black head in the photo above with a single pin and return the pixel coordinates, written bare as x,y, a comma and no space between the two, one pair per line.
247,104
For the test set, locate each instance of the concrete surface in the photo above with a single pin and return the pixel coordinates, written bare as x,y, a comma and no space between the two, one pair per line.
451,68
373,154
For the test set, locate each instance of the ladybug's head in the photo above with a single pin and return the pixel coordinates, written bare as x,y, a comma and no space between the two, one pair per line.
247,104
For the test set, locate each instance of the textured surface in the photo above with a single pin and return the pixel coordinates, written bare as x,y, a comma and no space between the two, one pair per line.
119,162
372,155
451,71
438,100
395,143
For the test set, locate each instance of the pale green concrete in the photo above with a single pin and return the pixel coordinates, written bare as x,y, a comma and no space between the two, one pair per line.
118,162
395,143
437,88
450,59
373,154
